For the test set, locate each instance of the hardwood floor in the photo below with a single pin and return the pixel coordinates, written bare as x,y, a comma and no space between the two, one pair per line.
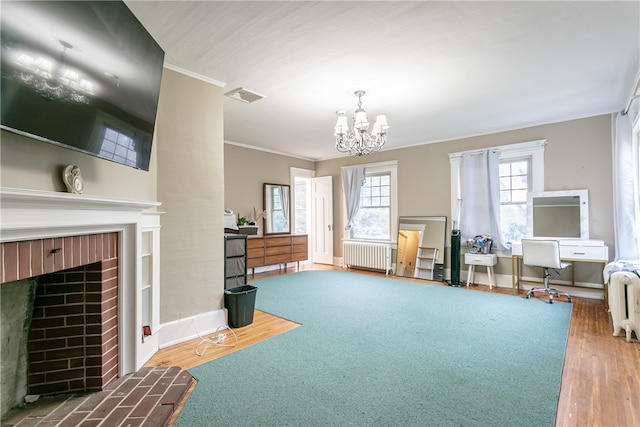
600,381
184,355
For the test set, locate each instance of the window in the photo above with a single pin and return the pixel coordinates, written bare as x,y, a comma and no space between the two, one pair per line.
119,147
377,218
514,185
521,170
373,218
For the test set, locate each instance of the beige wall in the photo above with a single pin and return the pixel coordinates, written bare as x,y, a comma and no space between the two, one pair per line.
198,176
246,170
577,156
32,164
186,175
191,187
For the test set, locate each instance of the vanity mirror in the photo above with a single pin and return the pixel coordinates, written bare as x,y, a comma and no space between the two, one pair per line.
278,209
421,241
562,214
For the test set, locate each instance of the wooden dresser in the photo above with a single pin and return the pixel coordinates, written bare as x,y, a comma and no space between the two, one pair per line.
276,249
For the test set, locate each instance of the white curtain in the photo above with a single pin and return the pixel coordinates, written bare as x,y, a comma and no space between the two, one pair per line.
352,181
626,195
480,189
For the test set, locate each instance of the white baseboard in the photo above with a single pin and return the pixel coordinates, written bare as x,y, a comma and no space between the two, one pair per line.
182,330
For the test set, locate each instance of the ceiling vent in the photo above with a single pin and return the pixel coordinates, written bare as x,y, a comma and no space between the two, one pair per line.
244,95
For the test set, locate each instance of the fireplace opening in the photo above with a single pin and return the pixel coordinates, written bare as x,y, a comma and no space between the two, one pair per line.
71,341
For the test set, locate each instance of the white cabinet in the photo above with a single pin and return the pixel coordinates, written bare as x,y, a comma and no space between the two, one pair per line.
487,260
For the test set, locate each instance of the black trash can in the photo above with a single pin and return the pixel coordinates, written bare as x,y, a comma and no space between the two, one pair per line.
240,303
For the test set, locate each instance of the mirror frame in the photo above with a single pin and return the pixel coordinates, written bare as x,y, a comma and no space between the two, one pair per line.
425,220
265,199
583,201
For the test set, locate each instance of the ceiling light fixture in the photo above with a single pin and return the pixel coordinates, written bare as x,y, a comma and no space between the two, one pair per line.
357,140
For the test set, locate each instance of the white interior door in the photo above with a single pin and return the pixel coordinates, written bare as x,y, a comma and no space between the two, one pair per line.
322,207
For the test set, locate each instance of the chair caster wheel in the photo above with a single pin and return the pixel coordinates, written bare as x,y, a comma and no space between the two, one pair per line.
527,296
568,299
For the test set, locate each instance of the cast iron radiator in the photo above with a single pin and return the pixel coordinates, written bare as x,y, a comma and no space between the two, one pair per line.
624,303
372,256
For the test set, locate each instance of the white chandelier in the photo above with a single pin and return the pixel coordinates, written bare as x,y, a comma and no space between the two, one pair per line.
358,140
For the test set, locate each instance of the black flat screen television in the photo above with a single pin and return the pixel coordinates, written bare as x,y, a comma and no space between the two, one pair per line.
80,74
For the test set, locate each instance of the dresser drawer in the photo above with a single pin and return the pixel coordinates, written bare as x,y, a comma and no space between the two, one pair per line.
299,240
278,241
234,282
299,248
255,252
255,243
235,247
480,259
299,256
255,262
235,267
278,259
584,253
278,250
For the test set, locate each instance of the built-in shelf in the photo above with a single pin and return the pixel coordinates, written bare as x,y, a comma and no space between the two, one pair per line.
150,288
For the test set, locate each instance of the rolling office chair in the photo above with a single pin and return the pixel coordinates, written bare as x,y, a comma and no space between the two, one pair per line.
545,254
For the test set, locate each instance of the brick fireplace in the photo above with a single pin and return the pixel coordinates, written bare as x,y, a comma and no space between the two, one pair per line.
73,339
85,252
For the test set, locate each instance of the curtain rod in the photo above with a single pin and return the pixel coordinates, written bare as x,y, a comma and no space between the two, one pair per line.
626,110
530,145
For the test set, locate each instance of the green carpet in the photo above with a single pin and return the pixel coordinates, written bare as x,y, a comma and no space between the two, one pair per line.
374,351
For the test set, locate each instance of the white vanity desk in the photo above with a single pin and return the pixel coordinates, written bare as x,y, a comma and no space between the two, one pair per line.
571,250
563,216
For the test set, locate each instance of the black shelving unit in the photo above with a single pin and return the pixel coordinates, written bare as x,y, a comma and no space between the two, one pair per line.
235,260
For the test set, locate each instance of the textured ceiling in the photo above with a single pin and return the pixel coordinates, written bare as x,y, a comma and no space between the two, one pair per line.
438,70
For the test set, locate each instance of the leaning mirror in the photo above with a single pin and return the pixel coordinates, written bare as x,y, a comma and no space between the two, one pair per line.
421,241
277,208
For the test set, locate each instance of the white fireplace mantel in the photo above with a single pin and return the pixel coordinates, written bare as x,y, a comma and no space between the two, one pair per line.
33,214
